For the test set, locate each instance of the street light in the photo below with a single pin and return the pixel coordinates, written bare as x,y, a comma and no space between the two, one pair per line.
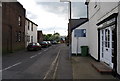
69,38
69,6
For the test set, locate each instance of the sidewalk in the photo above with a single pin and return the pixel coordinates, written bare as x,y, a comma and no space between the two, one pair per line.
82,69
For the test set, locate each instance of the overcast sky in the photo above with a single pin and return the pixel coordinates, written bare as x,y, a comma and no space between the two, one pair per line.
52,16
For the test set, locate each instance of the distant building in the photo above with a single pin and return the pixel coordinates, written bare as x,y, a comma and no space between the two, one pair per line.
39,36
30,31
13,27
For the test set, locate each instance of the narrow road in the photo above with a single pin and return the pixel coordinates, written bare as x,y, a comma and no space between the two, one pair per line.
49,63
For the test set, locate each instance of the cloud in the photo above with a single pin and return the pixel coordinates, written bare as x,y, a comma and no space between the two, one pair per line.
54,7
51,16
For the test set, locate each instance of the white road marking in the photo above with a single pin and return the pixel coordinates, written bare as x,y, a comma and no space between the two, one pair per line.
33,56
52,65
11,66
39,53
45,49
54,75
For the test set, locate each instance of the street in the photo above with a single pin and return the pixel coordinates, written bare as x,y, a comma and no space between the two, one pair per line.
48,63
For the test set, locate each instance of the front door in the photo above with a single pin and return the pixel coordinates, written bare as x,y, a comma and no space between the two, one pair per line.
106,45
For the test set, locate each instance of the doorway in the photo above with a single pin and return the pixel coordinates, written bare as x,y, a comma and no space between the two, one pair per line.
107,45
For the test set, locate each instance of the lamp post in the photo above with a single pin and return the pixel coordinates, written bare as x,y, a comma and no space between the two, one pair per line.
69,25
69,6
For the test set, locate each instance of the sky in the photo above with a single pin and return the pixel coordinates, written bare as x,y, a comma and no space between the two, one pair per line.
52,15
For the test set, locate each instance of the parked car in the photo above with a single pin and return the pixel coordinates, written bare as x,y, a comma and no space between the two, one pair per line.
49,43
44,44
54,42
33,46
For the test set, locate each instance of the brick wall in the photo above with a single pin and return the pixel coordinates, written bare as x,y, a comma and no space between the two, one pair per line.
11,11
39,36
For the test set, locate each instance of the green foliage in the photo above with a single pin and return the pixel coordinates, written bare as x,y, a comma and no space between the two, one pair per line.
50,37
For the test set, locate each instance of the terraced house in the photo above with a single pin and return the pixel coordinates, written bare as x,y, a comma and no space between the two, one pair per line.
13,27
101,33
30,32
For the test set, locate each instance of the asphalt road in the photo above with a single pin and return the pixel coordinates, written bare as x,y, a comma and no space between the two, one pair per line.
49,63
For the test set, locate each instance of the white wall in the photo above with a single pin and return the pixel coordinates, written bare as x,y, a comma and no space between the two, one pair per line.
34,33
26,32
118,46
82,41
30,32
92,30
102,11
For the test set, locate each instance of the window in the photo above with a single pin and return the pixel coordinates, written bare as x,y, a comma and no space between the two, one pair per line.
31,38
28,38
28,25
19,36
16,36
19,21
31,27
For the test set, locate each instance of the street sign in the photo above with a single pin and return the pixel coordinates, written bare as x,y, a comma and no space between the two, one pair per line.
80,33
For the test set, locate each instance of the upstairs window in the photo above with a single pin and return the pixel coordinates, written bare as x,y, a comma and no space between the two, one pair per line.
31,38
31,27
28,25
16,36
19,21
19,36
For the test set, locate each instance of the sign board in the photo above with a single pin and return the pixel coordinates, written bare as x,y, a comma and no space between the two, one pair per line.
80,33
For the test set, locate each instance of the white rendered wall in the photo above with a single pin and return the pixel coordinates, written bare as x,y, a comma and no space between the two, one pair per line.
118,42
30,32
82,41
102,11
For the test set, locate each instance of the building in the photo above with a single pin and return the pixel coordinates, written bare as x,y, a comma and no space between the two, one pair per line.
30,32
0,28
103,42
102,33
39,36
79,37
74,23
13,27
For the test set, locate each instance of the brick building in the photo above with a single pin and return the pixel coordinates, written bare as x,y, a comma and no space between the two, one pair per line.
39,36
13,27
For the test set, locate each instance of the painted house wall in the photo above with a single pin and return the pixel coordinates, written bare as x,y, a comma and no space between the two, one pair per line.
34,33
29,32
82,41
96,14
118,42
92,30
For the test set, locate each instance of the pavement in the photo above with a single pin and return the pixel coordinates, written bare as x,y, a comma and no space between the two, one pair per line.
82,69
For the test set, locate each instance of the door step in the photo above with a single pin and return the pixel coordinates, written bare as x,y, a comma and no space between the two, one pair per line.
102,68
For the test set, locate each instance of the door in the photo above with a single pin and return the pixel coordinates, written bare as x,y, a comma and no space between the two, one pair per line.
106,45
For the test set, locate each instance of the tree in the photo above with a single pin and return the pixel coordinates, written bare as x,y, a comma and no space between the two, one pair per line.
50,37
